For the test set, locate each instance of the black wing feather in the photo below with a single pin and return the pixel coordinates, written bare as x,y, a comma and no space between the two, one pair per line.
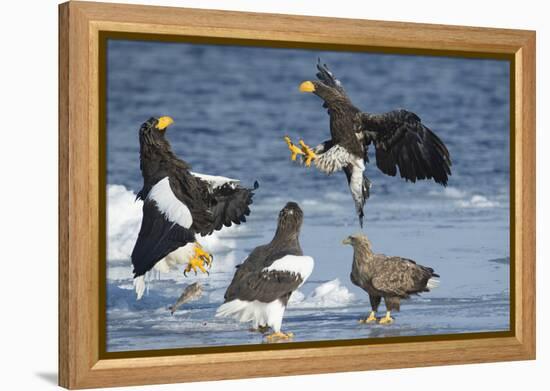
264,286
230,204
402,141
157,238
251,282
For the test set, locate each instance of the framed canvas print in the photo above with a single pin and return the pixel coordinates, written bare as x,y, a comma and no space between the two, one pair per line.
244,190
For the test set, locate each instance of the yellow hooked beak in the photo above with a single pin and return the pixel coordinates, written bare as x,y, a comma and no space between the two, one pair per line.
164,122
307,86
346,240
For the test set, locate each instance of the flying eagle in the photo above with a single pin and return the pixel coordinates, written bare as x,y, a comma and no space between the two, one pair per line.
399,138
393,278
177,205
264,282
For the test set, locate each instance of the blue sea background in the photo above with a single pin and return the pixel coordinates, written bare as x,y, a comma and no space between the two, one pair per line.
232,106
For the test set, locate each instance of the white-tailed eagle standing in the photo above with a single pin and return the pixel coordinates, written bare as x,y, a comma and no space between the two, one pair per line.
177,205
391,278
400,139
264,282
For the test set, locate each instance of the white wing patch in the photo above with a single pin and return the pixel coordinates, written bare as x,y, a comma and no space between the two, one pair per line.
169,205
301,265
335,159
214,180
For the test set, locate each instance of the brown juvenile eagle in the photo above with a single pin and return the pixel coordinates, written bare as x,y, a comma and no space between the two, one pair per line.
177,205
399,138
264,282
393,278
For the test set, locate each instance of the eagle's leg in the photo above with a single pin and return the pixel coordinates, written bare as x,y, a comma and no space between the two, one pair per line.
386,319
277,336
371,318
308,153
374,303
199,260
294,150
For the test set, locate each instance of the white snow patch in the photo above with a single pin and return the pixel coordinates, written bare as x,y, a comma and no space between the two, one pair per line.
123,221
478,201
296,297
331,294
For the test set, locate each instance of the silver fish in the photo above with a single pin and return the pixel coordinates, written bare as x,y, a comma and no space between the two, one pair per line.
190,293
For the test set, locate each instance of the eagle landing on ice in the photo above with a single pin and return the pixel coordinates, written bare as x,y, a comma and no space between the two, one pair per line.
399,138
177,205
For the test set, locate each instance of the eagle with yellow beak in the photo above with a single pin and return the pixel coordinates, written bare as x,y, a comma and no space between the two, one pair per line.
177,205
400,139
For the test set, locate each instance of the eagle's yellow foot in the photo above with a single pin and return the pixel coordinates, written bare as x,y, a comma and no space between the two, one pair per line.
309,155
386,319
200,253
277,336
294,150
200,259
370,319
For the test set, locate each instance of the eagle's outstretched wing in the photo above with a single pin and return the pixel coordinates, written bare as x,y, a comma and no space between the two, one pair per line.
402,141
229,203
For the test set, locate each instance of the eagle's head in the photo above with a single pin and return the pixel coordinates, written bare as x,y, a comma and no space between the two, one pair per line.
358,240
152,131
329,94
290,218
318,88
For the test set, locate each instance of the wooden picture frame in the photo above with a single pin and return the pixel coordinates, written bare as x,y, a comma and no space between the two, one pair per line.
82,363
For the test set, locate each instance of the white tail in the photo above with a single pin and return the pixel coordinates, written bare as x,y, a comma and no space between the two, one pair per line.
260,314
139,286
433,283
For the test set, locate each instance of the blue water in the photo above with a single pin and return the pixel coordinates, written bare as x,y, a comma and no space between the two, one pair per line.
232,106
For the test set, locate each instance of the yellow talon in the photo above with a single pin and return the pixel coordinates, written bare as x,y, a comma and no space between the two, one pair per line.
199,260
387,319
308,152
370,319
294,150
200,253
279,336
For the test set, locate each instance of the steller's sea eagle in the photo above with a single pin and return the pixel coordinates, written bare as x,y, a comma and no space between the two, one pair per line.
399,138
177,205
263,283
393,278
